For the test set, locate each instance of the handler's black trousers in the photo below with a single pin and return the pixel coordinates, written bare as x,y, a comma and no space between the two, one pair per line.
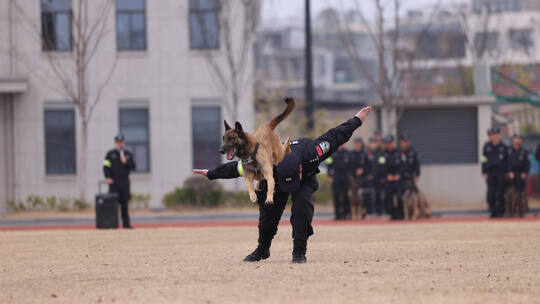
301,212
340,191
124,195
495,193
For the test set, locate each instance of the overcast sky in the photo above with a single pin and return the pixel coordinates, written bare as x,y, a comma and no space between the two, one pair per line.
275,10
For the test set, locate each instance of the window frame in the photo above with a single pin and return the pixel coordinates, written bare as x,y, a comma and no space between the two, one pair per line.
44,43
197,10
60,107
131,12
148,142
521,47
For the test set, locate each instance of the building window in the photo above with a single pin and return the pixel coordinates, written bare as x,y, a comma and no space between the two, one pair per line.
206,136
60,156
522,40
131,24
486,42
56,25
204,24
134,125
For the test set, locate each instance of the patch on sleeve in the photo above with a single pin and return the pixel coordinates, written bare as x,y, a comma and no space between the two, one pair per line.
323,148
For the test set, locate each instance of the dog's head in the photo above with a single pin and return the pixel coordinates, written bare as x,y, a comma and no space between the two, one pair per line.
234,141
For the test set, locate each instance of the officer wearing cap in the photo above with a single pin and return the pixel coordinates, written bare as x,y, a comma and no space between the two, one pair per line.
376,179
339,169
393,166
359,181
117,165
494,170
518,165
295,177
411,164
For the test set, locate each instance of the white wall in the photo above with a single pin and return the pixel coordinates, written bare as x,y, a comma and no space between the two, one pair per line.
3,156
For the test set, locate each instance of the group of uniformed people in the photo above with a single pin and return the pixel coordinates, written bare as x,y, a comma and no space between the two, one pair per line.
505,170
374,180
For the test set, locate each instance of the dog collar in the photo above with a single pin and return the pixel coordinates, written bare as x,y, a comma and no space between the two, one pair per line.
252,158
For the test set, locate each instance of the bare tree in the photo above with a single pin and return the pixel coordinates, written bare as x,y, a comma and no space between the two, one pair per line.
69,75
237,23
394,57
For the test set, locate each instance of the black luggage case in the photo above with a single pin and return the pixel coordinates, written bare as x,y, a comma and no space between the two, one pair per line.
106,209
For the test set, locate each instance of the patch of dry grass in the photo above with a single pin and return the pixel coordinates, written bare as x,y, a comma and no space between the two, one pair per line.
488,262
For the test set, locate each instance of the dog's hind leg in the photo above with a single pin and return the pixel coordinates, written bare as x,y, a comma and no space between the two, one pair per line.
287,146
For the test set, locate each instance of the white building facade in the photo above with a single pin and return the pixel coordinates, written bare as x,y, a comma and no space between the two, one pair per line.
163,96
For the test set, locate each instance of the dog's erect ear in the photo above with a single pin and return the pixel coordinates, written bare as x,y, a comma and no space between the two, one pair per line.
227,127
238,127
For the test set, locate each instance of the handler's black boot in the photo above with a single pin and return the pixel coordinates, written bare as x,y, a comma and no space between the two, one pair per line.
299,252
258,254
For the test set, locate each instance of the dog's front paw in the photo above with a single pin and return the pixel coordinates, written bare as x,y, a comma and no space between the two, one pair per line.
269,202
253,197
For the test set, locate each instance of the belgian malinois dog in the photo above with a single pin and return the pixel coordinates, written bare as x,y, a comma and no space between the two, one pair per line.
259,152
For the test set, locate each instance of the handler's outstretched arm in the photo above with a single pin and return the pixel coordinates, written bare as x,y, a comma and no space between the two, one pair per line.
330,141
226,171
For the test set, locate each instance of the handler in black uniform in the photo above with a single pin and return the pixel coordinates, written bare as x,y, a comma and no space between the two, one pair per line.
339,169
360,167
518,166
411,164
375,174
393,166
494,170
117,165
294,176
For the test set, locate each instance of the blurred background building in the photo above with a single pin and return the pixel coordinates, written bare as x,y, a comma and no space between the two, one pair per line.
165,74
161,94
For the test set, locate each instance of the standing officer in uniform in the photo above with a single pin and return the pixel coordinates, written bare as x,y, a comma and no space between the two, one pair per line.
359,171
518,165
117,165
494,170
375,176
339,172
393,166
411,167
295,175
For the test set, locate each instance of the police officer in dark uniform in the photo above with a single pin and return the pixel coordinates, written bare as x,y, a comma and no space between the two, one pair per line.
411,164
339,171
518,165
393,166
375,176
294,176
494,170
360,168
117,165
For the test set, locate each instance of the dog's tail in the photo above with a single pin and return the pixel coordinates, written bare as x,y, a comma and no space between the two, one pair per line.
290,106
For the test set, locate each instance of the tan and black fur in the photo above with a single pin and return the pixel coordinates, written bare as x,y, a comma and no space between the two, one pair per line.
237,142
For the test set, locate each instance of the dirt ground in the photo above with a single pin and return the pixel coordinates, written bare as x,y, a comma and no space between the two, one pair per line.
473,262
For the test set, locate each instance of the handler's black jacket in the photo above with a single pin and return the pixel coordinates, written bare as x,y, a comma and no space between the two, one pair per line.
518,160
115,169
411,164
311,152
494,158
339,165
392,163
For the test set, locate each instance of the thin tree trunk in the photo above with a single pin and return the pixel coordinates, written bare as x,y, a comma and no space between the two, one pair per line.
83,160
